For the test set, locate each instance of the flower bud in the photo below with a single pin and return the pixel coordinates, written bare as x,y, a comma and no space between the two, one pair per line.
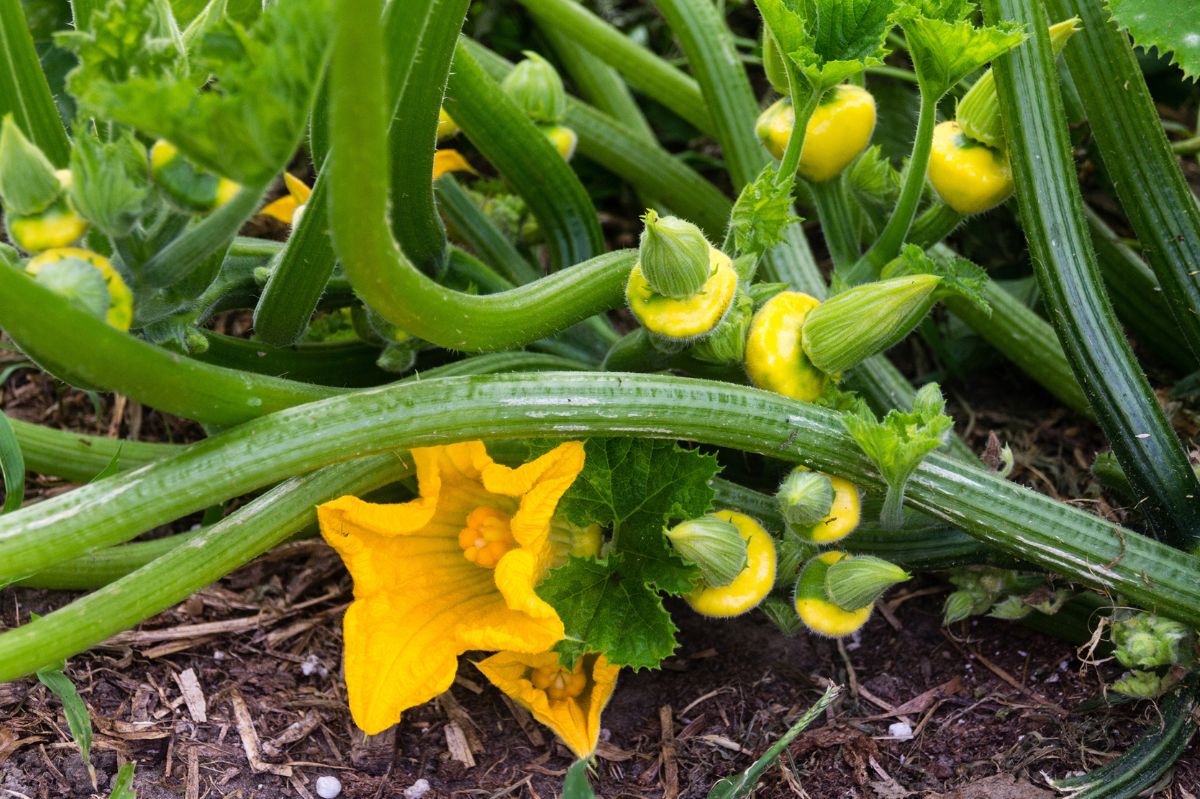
962,604
65,275
805,498
673,254
847,329
28,184
563,138
773,63
447,128
1147,640
189,189
856,582
817,609
534,85
979,110
714,545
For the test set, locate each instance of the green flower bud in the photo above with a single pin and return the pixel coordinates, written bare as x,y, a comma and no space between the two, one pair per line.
963,604
805,498
111,188
673,255
978,111
847,329
194,342
534,85
727,344
28,184
782,614
856,582
1147,640
397,358
773,63
79,283
714,545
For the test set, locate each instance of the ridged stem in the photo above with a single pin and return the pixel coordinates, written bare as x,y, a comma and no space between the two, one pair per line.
837,225
1051,210
1138,159
1035,528
24,92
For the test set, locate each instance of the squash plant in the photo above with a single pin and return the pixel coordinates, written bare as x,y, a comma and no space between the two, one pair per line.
457,347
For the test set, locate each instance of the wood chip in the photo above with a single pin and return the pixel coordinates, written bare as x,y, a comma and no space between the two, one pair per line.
135,730
456,743
723,742
192,786
670,769
249,736
525,722
193,695
296,731
454,712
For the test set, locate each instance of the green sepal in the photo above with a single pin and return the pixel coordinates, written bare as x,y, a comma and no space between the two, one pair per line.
726,344
899,442
857,581
958,275
1140,684
762,212
805,498
674,255
536,87
873,179
773,64
111,187
28,184
845,330
713,544
978,111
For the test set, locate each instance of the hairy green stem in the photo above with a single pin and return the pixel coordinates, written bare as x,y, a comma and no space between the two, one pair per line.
1051,534
837,225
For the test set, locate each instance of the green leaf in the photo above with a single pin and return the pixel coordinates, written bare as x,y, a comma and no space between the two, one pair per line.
830,40
123,784
946,49
1170,26
12,464
898,443
604,611
79,721
576,785
638,486
237,105
762,212
111,186
740,785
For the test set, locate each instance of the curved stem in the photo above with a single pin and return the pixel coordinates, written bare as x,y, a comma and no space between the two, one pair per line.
377,267
1051,210
795,144
1030,526
526,159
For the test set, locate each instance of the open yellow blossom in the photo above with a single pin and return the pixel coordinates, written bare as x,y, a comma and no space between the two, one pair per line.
568,701
450,571
285,208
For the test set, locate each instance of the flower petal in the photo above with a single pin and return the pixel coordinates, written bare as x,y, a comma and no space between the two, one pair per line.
282,209
449,161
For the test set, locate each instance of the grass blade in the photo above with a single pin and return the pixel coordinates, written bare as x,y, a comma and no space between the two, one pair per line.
12,464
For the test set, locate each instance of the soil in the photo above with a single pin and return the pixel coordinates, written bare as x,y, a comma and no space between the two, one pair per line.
989,703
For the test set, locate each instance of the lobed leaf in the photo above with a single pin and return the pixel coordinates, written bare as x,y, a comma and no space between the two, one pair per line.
946,50
1170,26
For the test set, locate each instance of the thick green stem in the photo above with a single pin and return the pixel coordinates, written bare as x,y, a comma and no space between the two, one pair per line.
185,569
176,261
1138,159
411,142
1052,216
526,159
347,364
887,246
934,224
1051,534
795,143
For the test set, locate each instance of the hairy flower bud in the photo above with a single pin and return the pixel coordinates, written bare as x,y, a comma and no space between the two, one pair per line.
856,582
535,86
673,254
773,63
714,545
28,184
847,329
805,498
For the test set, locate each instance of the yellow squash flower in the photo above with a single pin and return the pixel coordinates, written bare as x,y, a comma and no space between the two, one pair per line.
289,205
450,571
445,161
568,701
